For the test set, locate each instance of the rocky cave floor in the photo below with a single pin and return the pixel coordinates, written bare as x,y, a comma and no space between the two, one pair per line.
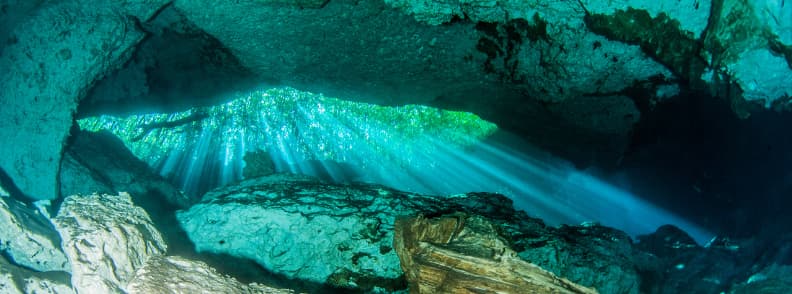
285,233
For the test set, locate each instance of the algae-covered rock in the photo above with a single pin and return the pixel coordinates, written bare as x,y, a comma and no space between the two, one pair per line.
107,239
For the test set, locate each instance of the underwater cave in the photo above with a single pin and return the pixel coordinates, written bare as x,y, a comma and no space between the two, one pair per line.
395,146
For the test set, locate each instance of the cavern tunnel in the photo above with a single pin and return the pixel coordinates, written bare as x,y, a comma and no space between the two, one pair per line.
395,146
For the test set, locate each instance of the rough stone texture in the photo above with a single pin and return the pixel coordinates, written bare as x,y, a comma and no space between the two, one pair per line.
773,279
341,234
15,279
669,261
107,239
763,76
28,238
49,62
175,274
100,163
589,255
464,254
301,228
748,46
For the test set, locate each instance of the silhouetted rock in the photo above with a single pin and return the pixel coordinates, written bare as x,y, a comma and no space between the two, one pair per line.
98,162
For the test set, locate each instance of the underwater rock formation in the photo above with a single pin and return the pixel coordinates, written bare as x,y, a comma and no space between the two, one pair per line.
107,239
28,238
670,262
174,274
258,163
49,61
464,254
588,254
341,235
17,280
98,162
773,279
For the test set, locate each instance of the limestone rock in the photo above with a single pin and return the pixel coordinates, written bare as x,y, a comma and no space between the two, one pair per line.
29,239
15,279
175,274
107,239
465,254
51,58
100,163
340,235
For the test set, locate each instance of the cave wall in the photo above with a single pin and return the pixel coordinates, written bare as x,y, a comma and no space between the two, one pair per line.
570,76
49,61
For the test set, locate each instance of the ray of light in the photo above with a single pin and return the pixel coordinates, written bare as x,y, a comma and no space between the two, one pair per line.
412,148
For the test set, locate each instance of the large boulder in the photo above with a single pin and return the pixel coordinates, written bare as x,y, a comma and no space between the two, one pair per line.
50,60
342,235
107,239
28,238
173,274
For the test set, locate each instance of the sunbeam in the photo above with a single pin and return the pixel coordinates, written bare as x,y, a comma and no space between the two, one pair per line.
412,148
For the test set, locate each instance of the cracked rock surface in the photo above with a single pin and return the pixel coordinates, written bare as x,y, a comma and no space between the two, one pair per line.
107,239
342,235
15,279
28,238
